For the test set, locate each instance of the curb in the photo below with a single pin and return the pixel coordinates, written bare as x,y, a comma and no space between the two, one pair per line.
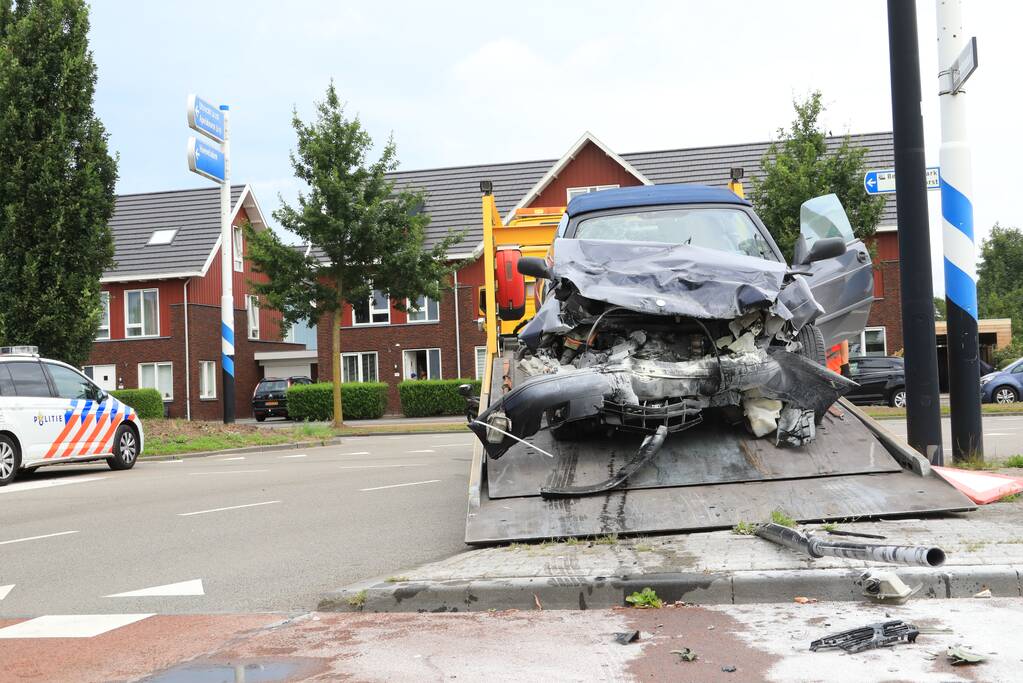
598,592
1014,413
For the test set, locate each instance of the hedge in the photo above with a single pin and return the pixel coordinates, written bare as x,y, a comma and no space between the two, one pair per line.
423,397
147,402
359,401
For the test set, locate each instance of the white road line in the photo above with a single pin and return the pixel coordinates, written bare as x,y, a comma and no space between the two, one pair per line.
4,590
36,538
46,483
233,507
238,457
394,486
424,450
70,625
373,467
443,445
997,434
165,462
356,453
180,589
299,455
203,474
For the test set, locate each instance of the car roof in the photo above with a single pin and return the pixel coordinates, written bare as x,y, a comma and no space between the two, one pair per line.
898,358
652,195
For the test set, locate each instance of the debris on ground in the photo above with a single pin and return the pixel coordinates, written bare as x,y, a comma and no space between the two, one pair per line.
886,586
626,637
986,593
536,599
882,634
685,655
857,534
960,655
728,669
802,600
981,487
927,556
645,599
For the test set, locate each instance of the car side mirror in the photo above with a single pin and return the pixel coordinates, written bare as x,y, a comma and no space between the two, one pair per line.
829,247
534,267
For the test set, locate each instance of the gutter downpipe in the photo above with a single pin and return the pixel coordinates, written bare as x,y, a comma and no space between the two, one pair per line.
188,364
458,333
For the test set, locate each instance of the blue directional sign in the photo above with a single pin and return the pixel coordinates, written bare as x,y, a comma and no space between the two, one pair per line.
206,159
205,118
882,181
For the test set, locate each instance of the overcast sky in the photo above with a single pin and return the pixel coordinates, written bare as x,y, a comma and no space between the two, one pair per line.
461,83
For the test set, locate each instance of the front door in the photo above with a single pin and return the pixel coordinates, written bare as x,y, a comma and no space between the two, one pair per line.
84,400
105,376
39,419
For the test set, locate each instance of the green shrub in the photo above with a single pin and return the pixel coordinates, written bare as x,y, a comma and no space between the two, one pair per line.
1002,357
147,402
423,397
359,401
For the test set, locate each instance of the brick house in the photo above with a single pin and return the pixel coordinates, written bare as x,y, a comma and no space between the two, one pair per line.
161,321
443,340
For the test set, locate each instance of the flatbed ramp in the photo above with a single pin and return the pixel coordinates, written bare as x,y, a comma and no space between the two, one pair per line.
711,477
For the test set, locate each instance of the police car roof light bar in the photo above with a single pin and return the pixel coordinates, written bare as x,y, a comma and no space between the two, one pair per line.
19,350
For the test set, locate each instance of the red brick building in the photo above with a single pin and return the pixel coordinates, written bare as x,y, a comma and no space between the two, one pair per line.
161,322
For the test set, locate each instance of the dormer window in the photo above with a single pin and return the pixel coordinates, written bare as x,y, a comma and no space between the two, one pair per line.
159,237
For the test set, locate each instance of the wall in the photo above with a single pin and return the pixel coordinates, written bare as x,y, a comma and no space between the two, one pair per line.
170,294
591,166
887,309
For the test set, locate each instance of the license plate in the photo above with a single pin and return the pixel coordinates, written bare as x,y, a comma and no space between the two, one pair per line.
271,403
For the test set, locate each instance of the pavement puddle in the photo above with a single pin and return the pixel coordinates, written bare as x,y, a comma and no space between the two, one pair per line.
248,672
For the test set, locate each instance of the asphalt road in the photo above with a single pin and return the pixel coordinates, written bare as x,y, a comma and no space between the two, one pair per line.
299,523
1003,434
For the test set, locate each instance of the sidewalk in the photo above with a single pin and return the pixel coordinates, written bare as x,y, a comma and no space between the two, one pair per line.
984,550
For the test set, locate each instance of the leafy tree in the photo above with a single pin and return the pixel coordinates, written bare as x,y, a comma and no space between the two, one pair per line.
799,167
56,180
366,234
940,312
999,286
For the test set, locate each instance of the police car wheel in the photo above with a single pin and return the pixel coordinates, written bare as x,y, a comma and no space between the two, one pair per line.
126,449
10,460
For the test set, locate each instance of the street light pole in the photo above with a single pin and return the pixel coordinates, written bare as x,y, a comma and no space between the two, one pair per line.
923,417
226,277
957,237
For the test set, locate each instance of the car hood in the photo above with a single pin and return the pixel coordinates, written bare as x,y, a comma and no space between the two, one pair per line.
676,279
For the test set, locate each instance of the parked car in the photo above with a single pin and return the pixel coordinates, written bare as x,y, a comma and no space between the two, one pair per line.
1003,386
882,380
50,413
270,399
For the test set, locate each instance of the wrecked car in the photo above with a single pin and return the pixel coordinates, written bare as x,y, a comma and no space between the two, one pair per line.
665,305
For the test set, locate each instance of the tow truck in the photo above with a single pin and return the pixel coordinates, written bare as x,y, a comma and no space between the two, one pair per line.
653,464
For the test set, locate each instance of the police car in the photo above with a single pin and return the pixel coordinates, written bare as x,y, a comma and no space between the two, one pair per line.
51,413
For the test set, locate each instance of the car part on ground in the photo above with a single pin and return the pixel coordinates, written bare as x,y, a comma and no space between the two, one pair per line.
925,556
882,634
886,586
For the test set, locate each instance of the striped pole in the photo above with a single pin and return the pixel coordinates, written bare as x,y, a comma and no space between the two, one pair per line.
226,277
960,251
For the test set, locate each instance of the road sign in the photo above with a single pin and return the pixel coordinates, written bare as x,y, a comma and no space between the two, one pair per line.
882,181
205,159
205,118
961,69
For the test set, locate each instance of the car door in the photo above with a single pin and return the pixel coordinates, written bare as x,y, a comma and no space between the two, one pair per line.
77,394
37,417
871,375
843,285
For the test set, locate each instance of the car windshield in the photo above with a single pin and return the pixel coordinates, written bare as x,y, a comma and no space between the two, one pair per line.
730,230
275,385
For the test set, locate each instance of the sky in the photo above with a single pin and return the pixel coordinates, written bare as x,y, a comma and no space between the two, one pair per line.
460,83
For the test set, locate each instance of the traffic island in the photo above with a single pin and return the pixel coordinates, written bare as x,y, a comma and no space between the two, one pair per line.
984,551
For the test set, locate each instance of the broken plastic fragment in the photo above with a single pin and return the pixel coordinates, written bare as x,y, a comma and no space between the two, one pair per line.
960,655
762,414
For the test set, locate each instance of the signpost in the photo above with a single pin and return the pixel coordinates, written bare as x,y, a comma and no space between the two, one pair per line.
213,161
882,181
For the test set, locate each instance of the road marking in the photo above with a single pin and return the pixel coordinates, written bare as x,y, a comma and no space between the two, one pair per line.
165,462
45,484
238,457
233,507
394,486
182,588
373,467
4,590
36,538
202,474
442,445
425,450
356,453
299,455
70,625
997,434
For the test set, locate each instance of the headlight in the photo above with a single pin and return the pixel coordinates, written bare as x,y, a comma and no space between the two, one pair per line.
985,379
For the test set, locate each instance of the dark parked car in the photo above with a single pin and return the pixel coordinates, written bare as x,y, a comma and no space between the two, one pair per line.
270,399
882,379
1004,386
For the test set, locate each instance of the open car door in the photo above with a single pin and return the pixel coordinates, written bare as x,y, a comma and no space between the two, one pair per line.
843,285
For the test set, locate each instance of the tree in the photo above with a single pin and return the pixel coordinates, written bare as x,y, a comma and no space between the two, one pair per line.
940,312
798,167
56,180
366,234
999,286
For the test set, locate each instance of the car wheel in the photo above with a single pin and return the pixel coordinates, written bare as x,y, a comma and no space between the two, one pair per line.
10,460
898,399
812,341
1005,395
260,418
126,449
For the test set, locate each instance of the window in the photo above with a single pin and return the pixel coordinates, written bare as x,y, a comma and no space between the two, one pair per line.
425,310
376,310
422,364
159,376
70,384
207,379
252,315
359,367
6,383
239,251
104,316
141,313
871,342
302,333
162,237
29,379
574,192
481,361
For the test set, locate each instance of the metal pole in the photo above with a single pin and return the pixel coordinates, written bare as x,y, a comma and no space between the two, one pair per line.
923,416
226,275
960,252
